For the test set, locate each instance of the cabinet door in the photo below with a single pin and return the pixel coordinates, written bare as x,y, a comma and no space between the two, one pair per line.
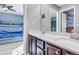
40,43
32,45
53,50
39,51
29,39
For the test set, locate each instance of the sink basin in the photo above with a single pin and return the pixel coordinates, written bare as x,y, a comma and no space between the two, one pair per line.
68,42
71,39
53,37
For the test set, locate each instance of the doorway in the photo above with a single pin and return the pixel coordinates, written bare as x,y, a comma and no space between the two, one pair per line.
54,20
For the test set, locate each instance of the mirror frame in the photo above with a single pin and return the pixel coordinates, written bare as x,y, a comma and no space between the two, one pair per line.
74,17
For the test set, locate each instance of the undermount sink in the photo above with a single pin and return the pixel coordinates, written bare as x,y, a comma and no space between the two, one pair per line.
69,39
53,37
68,42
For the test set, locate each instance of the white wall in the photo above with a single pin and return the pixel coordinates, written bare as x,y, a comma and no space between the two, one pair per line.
33,12
77,18
63,22
34,16
46,22
25,30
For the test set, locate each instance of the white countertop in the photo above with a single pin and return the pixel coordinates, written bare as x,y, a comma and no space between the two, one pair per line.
61,41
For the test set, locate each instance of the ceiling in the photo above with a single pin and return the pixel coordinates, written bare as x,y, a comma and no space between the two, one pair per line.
71,11
59,5
17,7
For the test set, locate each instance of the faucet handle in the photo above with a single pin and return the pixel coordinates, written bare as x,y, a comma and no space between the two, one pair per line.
71,36
77,37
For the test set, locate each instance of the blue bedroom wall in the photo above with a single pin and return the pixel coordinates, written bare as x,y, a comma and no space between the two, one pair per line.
70,20
11,28
12,18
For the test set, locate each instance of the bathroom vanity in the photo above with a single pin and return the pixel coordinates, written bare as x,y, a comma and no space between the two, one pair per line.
46,44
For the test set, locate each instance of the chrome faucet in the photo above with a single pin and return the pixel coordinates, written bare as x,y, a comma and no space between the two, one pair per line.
71,36
43,32
75,37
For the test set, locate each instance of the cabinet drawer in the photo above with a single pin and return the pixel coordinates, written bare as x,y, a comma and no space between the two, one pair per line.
40,43
51,50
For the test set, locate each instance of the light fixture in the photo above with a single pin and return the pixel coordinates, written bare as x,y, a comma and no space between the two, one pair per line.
43,16
5,9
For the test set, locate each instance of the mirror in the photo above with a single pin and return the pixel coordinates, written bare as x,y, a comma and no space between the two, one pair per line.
67,21
53,17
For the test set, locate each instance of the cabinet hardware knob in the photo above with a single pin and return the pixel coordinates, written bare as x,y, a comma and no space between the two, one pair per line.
40,43
57,52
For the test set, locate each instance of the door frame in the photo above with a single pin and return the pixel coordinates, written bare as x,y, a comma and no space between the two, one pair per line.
57,18
72,7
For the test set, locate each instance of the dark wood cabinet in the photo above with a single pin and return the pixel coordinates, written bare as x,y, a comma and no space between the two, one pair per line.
29,44
32,45
39,51
40,43
36,46
51,50
40,47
